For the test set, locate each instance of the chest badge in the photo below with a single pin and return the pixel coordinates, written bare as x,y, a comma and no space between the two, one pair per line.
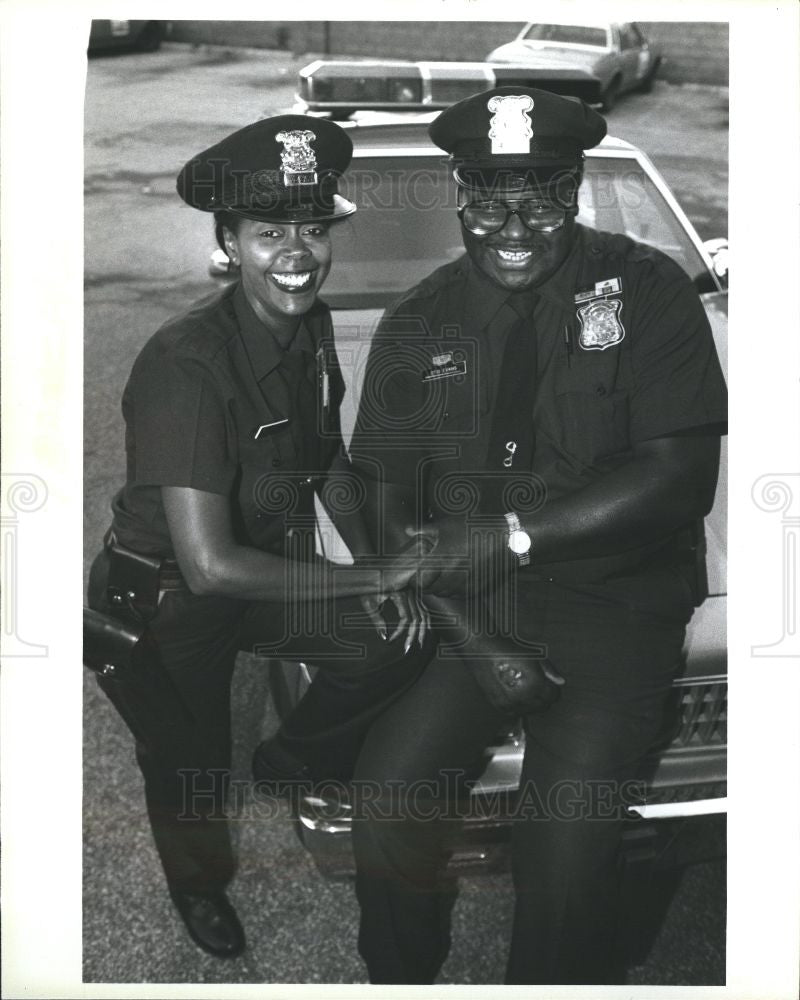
600,324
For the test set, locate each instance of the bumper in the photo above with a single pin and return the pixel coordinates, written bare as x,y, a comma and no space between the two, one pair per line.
684,786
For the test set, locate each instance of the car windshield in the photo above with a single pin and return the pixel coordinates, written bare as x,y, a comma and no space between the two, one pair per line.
406,225
569,34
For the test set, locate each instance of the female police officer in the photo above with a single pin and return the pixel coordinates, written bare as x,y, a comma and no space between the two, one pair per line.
232,425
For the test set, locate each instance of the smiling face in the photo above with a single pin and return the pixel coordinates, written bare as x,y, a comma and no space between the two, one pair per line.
282,266
516,257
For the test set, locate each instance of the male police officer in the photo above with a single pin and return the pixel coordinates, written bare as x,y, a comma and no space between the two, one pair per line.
583,363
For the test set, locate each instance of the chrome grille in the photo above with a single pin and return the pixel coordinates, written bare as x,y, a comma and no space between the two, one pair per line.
703,715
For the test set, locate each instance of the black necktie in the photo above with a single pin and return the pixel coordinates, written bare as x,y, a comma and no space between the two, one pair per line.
510,453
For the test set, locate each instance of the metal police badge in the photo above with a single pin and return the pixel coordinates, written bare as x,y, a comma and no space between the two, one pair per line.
298,161
510,128
600,324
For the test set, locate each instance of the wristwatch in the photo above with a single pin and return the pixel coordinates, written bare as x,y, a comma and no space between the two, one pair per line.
519,541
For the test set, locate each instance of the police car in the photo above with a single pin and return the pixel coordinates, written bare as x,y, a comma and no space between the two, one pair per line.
596,62
405,227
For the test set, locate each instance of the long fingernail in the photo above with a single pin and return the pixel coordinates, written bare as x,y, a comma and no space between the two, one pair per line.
407,646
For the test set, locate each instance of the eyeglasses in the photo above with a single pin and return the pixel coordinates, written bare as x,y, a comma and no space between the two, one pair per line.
485,217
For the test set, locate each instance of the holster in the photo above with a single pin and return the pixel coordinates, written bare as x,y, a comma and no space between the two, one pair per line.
110,644
119,648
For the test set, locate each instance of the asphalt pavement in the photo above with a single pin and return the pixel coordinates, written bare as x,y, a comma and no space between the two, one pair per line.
146,257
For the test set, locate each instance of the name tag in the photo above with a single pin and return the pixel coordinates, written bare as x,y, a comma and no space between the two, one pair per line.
447,371
611,286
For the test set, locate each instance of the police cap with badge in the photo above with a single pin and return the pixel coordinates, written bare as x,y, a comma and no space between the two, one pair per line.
511,138
282,169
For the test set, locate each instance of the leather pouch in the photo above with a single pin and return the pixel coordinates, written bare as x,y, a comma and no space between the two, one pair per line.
133,583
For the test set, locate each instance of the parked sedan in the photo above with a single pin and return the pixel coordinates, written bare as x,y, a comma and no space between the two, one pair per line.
597,62
405,227
143,35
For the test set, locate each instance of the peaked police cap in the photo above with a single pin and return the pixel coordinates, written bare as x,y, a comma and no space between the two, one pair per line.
514,136
280,169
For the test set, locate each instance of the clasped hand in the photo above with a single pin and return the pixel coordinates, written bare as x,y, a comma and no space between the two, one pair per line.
460,557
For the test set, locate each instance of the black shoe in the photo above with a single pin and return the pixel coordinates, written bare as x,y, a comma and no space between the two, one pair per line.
211,922
280,771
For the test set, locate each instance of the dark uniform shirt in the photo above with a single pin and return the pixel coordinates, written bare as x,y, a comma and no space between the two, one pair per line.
214,403
624,353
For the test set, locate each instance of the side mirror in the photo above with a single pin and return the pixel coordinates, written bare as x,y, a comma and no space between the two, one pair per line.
219,264
717,250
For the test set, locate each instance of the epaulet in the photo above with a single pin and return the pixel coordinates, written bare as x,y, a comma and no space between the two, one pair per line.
429,286
202,330
609,245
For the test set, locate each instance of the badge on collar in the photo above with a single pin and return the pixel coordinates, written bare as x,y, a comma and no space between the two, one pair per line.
510,127
298,161
600,324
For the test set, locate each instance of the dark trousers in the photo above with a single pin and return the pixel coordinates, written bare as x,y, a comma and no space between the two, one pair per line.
579,754
186,765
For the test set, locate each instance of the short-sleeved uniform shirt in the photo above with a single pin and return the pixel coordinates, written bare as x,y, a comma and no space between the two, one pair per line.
214,403
624,353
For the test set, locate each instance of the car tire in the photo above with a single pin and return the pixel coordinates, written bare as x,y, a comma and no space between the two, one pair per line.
610,95
151,37
647,84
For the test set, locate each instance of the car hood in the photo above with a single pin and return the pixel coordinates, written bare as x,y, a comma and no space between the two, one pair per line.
545,55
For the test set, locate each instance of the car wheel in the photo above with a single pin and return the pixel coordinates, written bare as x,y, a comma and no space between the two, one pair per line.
151,37
647,84
610,95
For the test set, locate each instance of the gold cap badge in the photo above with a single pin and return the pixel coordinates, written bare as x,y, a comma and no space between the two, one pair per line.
298,162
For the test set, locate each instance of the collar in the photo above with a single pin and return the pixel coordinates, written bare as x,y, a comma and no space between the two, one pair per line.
560,286
484,299
262,348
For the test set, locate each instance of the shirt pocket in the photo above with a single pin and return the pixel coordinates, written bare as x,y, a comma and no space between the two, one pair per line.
592,415
464,405
268,483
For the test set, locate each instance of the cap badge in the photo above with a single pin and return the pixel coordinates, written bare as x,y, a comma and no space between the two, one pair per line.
298,162
510,128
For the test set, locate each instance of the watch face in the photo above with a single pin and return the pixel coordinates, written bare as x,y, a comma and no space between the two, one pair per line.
519,542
